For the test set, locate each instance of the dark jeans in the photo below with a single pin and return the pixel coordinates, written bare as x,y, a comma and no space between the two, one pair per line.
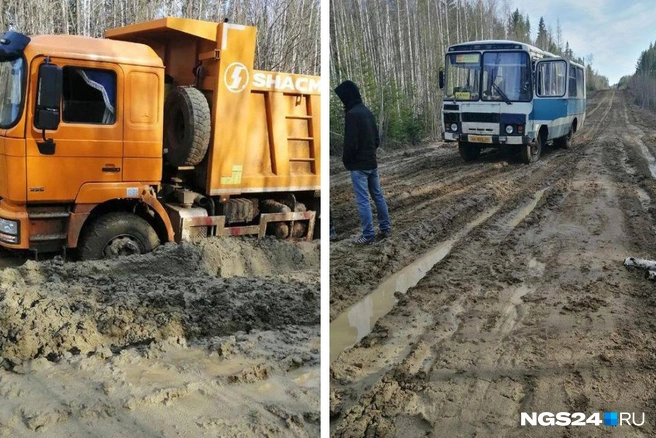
365,183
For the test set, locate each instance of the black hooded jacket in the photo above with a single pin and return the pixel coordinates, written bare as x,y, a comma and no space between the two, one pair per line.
360,133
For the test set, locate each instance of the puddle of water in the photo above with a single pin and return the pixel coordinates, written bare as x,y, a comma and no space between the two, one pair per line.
536,268
357,321
526,210
307,377
509,318
645,200
651,161
624,159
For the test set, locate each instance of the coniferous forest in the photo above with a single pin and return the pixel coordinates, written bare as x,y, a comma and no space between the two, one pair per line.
642,84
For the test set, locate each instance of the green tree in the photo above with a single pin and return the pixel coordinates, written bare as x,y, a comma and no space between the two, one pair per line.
543,39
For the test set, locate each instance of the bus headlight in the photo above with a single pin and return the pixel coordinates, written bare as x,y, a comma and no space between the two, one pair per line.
454,127
509,129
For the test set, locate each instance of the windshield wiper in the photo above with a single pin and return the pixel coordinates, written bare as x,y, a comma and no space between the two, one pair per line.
502,94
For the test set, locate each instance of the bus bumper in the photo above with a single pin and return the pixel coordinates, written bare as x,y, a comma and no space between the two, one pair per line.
491,140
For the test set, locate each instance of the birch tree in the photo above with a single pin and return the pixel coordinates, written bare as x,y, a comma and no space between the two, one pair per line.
288,30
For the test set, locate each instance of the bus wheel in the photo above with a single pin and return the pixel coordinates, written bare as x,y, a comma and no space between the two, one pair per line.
531,152
468,151
566,141
117,234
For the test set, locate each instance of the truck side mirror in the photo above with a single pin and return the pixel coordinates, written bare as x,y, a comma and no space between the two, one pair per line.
441,79
48,98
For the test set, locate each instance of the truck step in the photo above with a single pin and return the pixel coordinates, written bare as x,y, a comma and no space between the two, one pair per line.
48,214
47,237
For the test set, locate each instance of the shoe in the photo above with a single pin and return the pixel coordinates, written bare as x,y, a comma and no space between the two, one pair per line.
364,241
383,235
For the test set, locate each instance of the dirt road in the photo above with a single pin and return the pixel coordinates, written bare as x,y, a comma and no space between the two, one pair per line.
217,338
517,299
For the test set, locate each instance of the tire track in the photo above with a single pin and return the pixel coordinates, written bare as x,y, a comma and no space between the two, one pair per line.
515,318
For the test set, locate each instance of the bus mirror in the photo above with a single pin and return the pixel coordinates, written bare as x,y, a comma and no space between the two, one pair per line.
441,79
48,97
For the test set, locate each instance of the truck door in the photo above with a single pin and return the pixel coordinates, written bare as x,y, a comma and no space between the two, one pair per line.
550,102
88,145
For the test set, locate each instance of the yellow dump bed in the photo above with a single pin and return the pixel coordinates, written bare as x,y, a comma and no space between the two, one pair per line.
265,125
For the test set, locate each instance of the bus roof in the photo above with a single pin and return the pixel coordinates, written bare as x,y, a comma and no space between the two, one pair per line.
500,45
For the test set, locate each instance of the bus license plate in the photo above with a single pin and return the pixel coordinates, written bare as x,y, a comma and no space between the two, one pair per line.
480,139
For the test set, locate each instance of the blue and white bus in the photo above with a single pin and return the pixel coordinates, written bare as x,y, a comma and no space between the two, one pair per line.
500,93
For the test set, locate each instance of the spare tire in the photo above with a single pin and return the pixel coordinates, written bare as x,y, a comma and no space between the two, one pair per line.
187,126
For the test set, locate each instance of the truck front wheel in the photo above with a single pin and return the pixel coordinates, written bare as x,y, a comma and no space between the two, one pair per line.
117,234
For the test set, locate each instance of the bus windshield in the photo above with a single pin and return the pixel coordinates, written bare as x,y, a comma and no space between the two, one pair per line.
506,76
463,76
11,91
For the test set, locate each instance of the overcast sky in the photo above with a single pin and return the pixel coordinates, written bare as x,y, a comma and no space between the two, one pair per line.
615,32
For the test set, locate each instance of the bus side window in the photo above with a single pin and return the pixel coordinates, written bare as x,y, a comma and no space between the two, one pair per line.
551,78
572,82
580,85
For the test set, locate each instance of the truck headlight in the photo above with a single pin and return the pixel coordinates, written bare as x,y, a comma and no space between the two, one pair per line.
454,127
8,227
9,231
509,129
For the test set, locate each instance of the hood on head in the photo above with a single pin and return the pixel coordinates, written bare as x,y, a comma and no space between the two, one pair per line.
349,94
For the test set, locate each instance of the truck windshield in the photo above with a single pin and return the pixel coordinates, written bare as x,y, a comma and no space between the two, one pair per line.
11,91
506,76
463,76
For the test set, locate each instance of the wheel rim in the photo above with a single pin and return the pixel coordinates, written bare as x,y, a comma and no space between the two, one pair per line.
535,150
123,245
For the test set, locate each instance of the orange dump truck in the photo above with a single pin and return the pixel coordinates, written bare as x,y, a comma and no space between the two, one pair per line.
160,132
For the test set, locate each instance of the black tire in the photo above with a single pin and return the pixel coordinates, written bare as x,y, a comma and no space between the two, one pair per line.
566,141
531,152
187,126
469,151
117,234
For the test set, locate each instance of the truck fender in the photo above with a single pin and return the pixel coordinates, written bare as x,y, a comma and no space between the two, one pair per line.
94,195
148,197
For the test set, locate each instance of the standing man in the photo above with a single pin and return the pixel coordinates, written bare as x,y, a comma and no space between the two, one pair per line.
360,143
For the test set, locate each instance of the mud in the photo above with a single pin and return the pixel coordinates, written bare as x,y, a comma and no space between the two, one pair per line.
215,338
531,311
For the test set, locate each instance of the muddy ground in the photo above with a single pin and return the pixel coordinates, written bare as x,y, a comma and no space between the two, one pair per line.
530,308
216,338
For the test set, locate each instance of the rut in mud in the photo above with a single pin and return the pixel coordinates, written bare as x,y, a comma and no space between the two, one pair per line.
530,311
215,338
